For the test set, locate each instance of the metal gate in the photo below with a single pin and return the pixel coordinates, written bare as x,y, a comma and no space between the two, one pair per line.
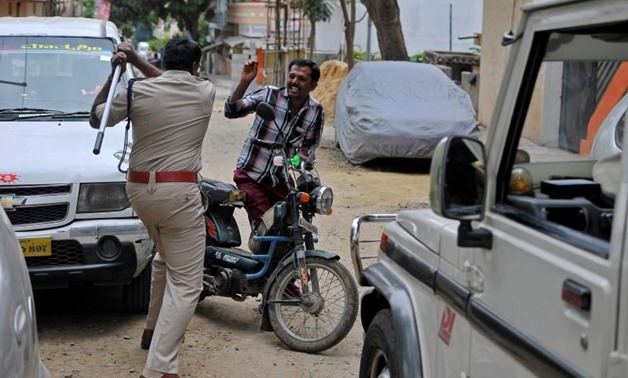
583,84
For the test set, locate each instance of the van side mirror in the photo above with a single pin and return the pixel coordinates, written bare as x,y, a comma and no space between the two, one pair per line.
458,186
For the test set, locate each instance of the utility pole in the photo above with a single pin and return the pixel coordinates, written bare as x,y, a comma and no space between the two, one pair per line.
450,25
278,24
369,24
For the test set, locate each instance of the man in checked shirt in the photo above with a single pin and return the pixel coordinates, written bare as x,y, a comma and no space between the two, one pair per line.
300,118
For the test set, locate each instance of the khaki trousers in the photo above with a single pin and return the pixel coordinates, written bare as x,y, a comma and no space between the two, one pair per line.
173,215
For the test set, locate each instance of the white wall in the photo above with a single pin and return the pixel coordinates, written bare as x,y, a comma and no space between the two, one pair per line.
425,25
499,17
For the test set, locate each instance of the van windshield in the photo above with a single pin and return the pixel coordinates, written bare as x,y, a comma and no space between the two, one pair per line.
57,73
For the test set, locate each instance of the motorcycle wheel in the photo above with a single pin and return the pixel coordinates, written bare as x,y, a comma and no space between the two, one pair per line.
327,313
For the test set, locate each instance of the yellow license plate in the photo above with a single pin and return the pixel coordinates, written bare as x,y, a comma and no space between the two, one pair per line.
36,247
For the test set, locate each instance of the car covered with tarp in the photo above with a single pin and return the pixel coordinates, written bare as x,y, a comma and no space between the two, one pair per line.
399,110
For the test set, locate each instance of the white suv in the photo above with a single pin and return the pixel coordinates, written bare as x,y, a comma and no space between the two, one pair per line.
520,267
67,205
18,322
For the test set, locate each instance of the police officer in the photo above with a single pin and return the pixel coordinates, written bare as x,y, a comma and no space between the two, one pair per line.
170,112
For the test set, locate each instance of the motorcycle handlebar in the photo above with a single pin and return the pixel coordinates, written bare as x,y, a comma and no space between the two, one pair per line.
304,165
308,165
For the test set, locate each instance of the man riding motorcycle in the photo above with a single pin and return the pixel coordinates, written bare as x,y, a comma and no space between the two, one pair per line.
299,118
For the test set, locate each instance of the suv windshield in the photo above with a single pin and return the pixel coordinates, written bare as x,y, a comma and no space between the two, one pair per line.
57,73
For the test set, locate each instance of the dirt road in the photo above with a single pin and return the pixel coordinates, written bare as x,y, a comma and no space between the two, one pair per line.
86,333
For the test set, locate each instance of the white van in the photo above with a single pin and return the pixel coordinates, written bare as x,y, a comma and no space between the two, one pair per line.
520,267
67,205
143,49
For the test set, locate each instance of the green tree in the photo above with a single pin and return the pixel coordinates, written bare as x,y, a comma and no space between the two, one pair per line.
157,44
186,13
89,8
315,11
128,14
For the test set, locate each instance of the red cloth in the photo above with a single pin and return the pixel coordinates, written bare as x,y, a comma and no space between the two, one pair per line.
259,196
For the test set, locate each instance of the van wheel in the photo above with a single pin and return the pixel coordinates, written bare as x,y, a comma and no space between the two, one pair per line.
378,353
137,293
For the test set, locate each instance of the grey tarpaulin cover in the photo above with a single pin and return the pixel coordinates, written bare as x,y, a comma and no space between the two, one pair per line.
399,110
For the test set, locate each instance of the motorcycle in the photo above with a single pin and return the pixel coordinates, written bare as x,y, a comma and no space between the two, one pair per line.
309,298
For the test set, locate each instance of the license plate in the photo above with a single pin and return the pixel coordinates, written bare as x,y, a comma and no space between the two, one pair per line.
308,226
36,247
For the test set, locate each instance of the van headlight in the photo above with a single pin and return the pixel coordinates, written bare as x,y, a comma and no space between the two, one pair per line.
105,197
324,198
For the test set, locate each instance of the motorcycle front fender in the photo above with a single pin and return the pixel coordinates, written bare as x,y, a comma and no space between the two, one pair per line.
265,326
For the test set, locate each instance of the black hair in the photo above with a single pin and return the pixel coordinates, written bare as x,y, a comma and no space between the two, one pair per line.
181,53
316,71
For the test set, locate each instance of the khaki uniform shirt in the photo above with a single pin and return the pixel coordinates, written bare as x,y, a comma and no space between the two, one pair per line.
170,116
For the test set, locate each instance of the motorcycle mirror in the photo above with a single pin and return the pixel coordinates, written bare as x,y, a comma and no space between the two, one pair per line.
266,111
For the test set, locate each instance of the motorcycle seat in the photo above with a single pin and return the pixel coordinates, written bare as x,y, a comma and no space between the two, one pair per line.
221,193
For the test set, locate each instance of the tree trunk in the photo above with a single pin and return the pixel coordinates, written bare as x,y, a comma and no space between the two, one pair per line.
191,24
349,30
312,38
51,9
278,25
385,17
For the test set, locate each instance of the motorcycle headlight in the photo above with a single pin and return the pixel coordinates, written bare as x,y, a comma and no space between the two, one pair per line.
96,198
307,182
324,198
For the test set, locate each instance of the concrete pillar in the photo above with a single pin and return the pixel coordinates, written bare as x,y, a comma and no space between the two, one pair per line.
499,16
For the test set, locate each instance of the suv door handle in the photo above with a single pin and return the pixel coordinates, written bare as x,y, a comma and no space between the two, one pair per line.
576,295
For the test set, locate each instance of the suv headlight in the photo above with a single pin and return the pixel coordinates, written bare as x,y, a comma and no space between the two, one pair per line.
324,197
97,198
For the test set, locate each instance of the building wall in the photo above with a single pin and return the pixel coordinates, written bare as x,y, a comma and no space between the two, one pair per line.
499,17
251,18
257,19
425,24
21,8
24,8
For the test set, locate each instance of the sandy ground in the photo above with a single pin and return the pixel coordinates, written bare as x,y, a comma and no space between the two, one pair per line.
86,333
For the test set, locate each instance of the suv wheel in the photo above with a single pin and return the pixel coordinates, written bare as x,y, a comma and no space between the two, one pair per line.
378,356
137,293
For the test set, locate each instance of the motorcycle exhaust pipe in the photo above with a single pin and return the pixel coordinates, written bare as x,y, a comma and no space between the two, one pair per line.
226,259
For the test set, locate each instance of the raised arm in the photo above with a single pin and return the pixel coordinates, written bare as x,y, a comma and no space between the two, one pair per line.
119,58
249,71
145,68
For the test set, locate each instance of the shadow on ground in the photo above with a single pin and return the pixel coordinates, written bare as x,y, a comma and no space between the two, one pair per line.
399,165
82,299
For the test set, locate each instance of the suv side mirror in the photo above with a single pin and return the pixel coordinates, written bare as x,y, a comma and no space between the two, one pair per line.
458,182
458,187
